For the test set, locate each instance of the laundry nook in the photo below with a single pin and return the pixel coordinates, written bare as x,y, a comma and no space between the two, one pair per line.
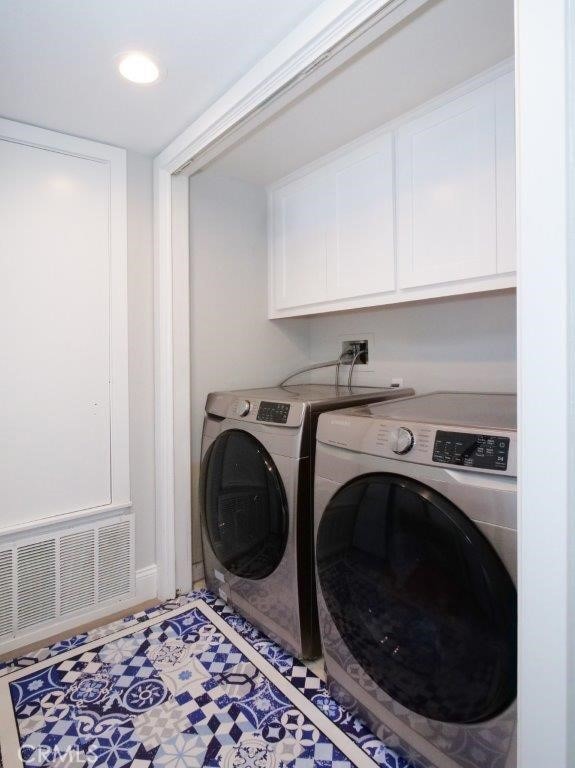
287,374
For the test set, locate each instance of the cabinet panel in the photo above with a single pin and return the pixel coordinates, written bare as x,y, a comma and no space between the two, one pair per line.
447,192
55,442
361,258
506,229
300,242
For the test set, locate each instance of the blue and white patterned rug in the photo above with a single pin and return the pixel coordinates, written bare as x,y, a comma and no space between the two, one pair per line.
187,684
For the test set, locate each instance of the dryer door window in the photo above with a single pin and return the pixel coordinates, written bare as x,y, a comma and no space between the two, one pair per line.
244,503
420,598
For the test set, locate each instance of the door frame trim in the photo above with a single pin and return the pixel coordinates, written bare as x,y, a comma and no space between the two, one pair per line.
545,110
333,33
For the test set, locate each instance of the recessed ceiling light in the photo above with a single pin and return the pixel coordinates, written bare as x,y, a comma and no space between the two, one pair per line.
138,68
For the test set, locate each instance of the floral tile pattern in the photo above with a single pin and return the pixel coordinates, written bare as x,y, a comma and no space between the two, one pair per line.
177,693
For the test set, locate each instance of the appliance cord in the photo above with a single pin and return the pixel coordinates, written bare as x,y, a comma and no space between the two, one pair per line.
352,366
313,367
337,367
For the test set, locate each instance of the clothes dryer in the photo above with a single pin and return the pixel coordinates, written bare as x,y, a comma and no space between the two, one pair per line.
257,503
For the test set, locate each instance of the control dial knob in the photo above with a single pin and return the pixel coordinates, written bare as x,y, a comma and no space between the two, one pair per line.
243,407
402,441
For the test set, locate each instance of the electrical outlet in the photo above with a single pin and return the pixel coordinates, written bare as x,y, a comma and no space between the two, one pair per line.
397,382
358,348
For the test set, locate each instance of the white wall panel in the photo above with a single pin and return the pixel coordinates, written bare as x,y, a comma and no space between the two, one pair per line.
55,344
64,441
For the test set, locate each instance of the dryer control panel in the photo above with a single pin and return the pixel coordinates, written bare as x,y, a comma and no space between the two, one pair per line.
276,413
471,450
252,410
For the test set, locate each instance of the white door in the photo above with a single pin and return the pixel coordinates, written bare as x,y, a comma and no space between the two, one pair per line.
55,343
446,176
361,256
300,242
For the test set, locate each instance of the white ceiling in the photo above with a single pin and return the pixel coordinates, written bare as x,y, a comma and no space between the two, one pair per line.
442,45
58,70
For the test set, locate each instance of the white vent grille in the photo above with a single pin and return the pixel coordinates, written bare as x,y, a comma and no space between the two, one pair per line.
77,571
6,592
36,583
73,571
114,560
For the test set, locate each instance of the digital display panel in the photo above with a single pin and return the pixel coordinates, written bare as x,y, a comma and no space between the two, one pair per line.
467,450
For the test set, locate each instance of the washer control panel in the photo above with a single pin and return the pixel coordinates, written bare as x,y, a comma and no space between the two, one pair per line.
243,407
422,443
402,441
276,413
471,450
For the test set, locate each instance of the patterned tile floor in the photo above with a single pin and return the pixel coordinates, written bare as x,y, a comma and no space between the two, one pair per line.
177,693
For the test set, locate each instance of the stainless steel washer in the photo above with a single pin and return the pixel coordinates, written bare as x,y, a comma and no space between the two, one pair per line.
257,507
416,546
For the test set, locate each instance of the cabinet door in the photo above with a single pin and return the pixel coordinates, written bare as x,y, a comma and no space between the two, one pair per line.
447,192
361,256
506,231
299,252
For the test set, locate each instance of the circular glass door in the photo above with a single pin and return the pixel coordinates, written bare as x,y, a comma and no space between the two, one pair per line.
420,597
244,505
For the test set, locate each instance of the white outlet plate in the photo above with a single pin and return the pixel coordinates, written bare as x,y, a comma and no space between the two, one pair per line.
370,367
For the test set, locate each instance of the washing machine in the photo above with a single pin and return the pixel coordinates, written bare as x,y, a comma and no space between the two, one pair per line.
256,489
416,548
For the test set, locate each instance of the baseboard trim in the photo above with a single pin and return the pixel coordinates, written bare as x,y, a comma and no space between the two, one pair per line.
147,583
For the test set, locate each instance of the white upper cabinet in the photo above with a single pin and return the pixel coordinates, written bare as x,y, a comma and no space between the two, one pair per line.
361,259
299,214
446,192
505,150
333,229
424,207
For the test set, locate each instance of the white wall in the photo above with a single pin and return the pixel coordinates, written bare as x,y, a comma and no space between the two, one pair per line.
233,344
141,353
466,343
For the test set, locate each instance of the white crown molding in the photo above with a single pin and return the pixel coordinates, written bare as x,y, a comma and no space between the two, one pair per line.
330,35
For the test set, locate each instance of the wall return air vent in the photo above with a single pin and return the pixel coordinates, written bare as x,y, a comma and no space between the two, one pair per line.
74,571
